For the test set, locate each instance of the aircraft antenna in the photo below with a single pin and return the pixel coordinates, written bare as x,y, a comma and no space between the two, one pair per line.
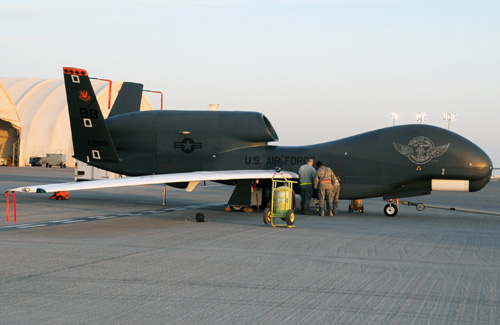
156,92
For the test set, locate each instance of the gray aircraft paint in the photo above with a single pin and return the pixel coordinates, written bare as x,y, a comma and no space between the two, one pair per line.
392,162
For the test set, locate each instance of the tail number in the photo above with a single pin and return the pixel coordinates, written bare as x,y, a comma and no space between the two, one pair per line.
87,115
96,143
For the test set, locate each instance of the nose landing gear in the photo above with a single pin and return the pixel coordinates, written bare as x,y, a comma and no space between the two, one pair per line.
392,208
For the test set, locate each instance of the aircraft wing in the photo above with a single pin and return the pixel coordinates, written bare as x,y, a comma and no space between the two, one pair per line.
192,177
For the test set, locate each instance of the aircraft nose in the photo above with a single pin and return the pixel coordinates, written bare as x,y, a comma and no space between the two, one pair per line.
481,168
481,163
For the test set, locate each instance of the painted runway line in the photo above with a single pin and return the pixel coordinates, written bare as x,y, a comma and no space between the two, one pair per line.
104,217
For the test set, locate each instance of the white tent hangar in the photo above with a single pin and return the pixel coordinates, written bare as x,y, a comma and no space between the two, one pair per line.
34,118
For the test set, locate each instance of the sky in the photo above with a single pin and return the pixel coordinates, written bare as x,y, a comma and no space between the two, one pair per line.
319,70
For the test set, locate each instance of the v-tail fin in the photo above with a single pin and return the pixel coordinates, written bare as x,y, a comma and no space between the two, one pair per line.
92,141
128,100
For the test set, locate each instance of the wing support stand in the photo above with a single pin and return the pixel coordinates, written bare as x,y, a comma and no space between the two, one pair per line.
164,194
13,206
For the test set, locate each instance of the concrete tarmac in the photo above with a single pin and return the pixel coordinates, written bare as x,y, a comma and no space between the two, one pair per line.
119,256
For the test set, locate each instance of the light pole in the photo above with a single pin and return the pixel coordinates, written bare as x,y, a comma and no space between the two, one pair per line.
449,117
421,117
394,117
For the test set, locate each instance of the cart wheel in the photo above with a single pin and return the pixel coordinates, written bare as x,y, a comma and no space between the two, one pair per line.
267,216
362,209
290,217
391,210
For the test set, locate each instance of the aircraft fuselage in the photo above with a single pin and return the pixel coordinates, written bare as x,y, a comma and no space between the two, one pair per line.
392,162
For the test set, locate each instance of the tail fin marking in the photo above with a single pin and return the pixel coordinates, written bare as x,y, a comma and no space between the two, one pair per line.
92,141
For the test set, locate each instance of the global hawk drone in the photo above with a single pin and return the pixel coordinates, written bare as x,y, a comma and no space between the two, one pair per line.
182,148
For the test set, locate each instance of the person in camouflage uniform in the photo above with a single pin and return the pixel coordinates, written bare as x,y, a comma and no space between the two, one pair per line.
324,183
336,191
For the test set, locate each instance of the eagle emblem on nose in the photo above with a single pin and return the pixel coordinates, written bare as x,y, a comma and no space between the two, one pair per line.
421,150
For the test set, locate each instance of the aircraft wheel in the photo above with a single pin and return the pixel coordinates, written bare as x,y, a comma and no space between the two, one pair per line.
290,217
200,217
420,207
267,216
391,210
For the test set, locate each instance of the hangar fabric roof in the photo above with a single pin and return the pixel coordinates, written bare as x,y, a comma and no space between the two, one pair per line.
38,109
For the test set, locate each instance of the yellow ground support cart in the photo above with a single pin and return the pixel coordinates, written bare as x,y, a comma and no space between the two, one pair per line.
282,203
356,205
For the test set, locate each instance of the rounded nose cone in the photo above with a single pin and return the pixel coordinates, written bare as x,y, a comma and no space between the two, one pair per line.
482,163
482,167
471,162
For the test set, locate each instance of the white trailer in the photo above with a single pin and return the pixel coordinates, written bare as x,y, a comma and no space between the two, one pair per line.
85,172
54,159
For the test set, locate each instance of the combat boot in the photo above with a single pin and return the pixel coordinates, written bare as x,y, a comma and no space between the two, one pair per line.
331,213
322,213
334,212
